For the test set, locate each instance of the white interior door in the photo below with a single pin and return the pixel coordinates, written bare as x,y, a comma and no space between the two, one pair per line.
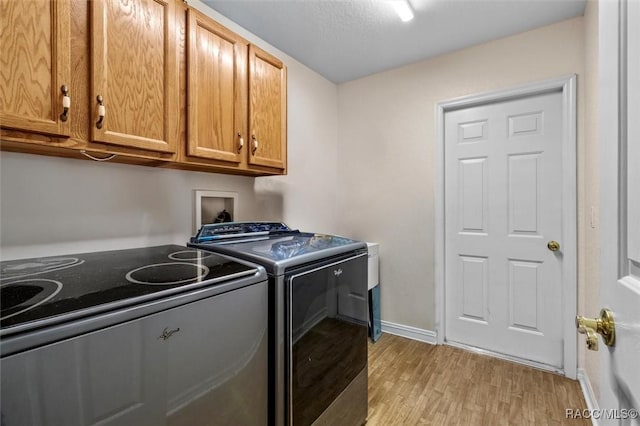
503,193
620,207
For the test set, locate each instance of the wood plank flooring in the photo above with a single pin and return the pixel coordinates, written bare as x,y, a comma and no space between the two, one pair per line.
414,383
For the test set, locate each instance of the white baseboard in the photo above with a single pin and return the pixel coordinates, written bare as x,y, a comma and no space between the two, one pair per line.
409,332
510,358
587,391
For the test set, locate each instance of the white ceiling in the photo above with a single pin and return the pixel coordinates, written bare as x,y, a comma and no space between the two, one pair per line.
347,39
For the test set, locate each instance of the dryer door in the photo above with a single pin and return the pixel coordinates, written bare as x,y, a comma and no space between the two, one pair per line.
327,324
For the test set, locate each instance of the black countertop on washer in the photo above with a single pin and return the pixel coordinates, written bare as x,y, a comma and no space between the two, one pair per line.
40,288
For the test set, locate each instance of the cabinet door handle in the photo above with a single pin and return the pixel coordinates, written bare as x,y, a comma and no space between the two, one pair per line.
240,142
101,112
254,147
166,333
66,103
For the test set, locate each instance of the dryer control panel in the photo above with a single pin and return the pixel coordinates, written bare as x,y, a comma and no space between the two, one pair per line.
218,231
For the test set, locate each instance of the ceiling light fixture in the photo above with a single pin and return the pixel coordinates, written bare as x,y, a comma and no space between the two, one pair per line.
404,10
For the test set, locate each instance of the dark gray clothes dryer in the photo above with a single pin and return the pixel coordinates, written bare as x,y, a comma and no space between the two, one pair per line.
317,318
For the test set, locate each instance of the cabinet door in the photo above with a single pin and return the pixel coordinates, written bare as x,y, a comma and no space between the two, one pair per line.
217,90
267,109
134,72
34,65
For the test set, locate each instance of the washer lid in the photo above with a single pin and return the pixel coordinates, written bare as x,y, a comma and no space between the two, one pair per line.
278,252
41,291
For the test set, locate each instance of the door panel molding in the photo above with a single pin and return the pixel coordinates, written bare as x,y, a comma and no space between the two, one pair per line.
567,86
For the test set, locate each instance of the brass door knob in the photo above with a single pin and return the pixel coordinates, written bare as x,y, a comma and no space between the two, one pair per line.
592,338
605,326
553,245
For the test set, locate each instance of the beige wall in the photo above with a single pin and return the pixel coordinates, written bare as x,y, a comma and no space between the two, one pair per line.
589,241
52,206
387,148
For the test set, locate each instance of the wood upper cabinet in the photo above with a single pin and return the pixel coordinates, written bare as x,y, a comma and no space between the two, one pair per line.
134,65
151,82
216,91
34,65
236,101
267,109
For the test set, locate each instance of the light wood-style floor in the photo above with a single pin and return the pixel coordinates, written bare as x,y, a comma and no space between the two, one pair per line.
413,383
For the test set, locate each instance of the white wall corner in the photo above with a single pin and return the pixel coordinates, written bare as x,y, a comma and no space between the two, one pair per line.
587,391
413,333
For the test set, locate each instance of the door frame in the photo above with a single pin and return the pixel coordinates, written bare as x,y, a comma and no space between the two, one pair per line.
566,85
